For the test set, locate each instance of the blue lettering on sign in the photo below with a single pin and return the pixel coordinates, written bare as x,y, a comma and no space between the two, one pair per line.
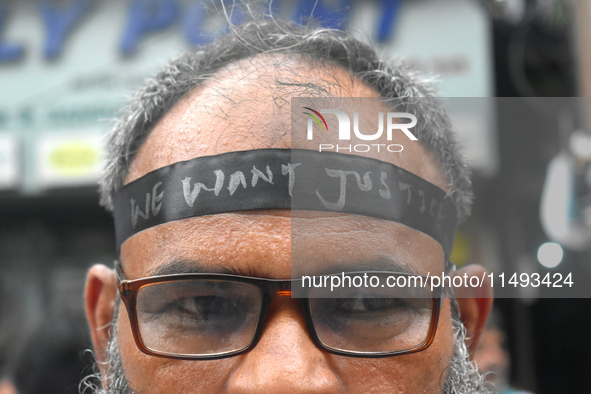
192,24
390,9
332,16
8,52
59,22
146,16
195,15
235,14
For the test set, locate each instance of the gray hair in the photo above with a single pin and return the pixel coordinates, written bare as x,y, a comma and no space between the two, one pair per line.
193,68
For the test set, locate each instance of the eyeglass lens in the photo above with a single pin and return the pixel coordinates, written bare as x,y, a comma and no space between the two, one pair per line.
198,317
371,320
214,317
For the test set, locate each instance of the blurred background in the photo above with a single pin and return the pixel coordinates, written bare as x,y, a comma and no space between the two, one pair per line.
66,67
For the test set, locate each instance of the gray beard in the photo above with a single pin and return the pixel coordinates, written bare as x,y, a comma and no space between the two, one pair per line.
463,376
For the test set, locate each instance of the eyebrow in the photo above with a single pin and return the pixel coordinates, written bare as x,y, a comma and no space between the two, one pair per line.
187,266
381,264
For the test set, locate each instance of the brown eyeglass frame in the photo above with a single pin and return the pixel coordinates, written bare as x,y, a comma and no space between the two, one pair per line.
270,288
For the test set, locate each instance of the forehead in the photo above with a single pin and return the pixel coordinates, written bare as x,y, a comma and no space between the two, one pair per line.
247,106
280,244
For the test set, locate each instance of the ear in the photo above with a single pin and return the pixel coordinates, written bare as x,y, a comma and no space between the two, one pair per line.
100,295
475,302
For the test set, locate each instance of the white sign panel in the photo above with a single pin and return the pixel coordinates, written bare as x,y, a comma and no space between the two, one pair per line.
69,66
9,161
67,159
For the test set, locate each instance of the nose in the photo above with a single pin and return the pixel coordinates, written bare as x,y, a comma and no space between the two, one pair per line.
285,359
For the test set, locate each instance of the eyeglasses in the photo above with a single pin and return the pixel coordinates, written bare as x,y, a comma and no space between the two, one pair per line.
213,316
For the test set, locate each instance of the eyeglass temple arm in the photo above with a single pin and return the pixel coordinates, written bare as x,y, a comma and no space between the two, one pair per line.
450,268
119,271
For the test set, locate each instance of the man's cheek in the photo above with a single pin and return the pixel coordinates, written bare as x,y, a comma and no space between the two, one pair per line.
389,375
424,371
149,374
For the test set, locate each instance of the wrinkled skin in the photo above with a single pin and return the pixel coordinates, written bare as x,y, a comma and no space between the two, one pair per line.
243,108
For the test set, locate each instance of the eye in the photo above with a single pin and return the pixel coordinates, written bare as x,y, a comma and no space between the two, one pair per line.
193,305
206,306
370,304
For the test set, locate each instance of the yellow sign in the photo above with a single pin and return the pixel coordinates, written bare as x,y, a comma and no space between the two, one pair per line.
74,158
66,159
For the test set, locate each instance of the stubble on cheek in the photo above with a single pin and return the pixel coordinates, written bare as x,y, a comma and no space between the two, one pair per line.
425,371
420,372
150,374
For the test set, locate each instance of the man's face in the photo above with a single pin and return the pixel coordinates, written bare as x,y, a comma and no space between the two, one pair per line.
245,108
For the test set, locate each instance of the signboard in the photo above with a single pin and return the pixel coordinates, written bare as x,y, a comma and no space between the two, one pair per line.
9,164
67,159
69,66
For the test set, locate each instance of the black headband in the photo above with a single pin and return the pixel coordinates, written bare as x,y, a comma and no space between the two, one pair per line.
284,179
